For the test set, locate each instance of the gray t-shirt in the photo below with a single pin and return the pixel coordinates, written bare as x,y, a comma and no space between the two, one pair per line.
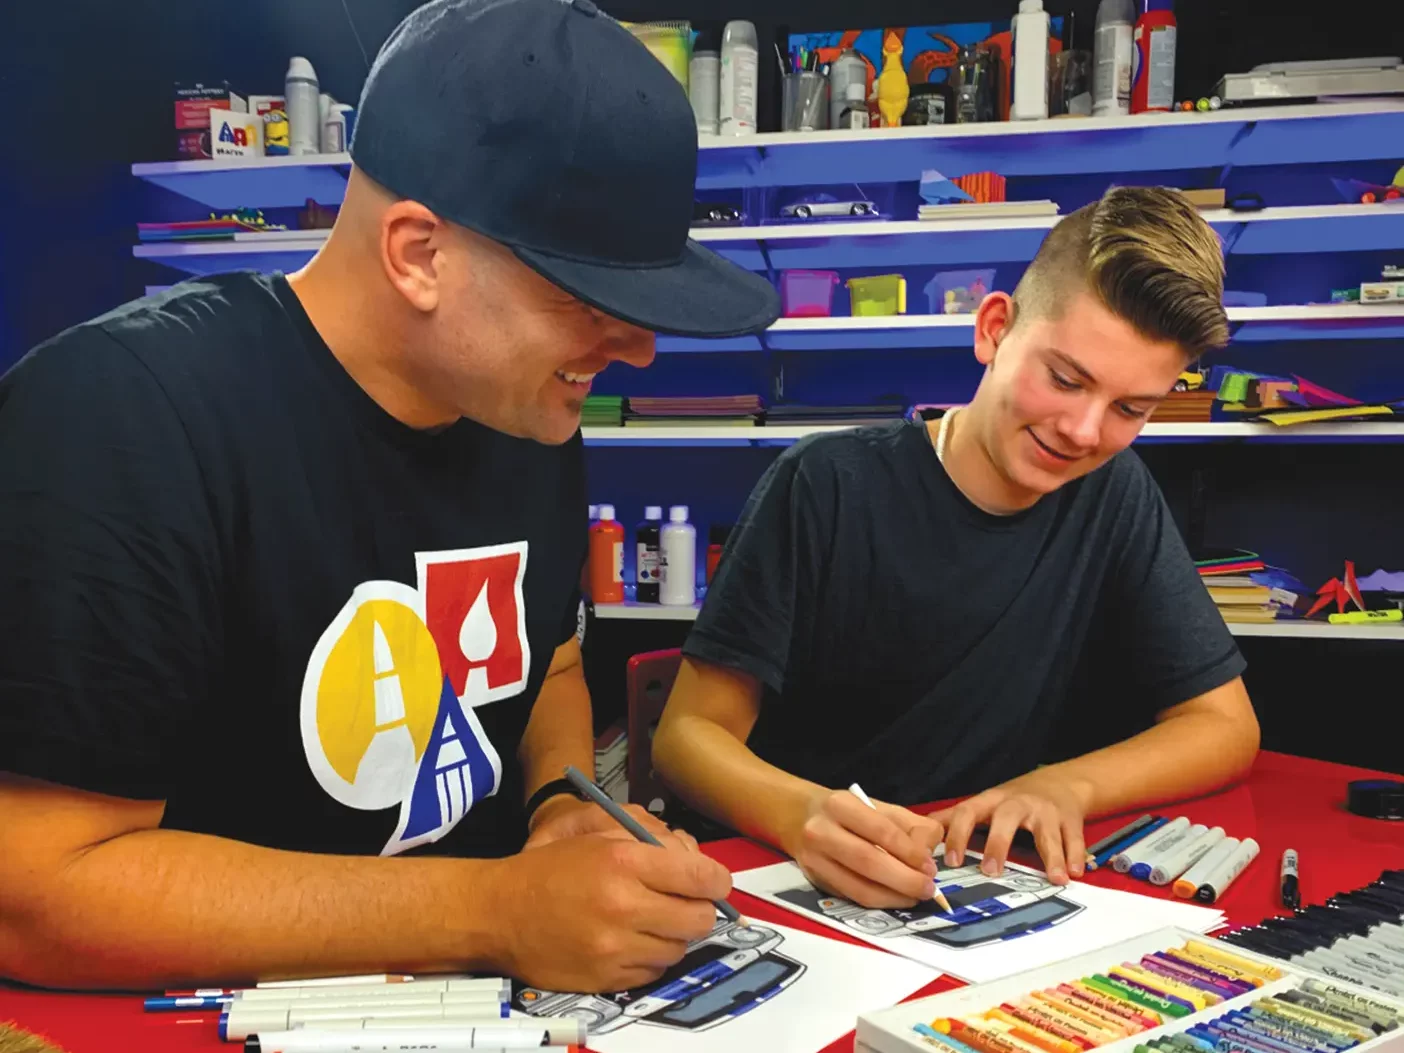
911,642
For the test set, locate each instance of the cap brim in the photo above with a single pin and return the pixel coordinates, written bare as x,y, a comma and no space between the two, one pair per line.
703,295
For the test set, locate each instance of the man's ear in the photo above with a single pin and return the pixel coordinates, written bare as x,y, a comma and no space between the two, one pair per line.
410,243
993,319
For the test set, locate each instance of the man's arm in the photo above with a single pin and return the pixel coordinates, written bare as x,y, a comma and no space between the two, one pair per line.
700,750
1194,747
560,732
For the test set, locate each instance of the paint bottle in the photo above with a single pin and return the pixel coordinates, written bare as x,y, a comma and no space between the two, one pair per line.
592,515
844,72
1030,82
646,558
717,536
1112,58
1153,65
607,558
740,75
304,107
677,549
704,82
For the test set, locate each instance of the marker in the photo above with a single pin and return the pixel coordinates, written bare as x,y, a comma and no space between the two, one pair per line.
1106,855
1291,893
475,1001
1217,883
1144,863
326,981
1111,839
628,822
493,986
936,893
171,1004
1168,867
338,981
240,1024
441,1040
1189,882
1121,862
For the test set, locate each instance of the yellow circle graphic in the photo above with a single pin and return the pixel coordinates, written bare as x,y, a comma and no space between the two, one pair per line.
378,693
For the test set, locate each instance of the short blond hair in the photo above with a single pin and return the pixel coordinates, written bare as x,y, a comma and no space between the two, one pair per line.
1150,258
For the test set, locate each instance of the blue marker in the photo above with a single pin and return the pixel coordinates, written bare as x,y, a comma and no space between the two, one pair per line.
1102,858
171,1004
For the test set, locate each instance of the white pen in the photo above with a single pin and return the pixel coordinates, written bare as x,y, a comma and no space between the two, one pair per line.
443,1040
402,989
936,893
1167,835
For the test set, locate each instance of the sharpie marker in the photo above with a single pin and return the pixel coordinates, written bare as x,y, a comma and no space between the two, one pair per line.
1171,832
1217,883
1105,855
174,1003
442,1040
1291,892
1141,868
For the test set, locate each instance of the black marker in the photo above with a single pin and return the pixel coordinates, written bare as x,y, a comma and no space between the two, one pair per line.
1291,893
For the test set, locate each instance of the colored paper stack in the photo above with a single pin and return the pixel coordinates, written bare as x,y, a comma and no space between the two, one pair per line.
1245,589
718,411
602,411
857,415
216,228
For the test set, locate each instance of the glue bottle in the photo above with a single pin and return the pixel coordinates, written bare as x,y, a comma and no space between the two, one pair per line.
704,82
1153,42
1111,58
1030,62
607,558
677,551
646,559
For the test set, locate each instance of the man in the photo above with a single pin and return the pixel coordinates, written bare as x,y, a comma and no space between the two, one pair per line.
910,606
289,565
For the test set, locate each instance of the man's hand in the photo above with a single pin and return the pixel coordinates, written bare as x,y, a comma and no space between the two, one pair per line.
876,858
1049,806
597,913
563,817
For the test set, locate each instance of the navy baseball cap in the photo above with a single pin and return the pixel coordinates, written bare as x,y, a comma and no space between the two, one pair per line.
544,125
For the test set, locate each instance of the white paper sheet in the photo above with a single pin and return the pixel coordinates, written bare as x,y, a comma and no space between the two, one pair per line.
1002,925
768,987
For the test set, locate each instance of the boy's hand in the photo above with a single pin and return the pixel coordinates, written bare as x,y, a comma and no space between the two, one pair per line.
1049,806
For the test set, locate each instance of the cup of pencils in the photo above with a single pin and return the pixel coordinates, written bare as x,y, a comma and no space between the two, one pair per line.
804,101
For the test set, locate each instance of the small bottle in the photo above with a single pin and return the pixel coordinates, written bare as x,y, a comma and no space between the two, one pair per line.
1030,102
848,69
592,515
1153,41
740,73
607,558
304,108
704,82
717,536
855,107
677,549
1111,58
646,559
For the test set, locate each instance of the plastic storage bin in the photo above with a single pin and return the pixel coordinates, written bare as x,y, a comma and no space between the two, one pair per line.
807,294
958,292
881,294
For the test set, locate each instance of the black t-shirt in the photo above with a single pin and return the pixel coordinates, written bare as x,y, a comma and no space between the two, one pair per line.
231,581
909,641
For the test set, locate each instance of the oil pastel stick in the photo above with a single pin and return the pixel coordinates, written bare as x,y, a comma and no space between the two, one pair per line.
1099,1021
1141,1016
1227,957
946,1043
1031,1033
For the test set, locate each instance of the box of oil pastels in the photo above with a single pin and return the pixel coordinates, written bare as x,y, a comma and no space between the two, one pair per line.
1172,991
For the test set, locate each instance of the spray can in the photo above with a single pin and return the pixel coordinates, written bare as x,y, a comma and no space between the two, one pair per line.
740,75
607,558
704,81
1153,63
304,108
1112,58
646,558
849,68
678,553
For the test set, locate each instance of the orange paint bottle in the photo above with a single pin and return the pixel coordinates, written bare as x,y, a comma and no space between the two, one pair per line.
607,558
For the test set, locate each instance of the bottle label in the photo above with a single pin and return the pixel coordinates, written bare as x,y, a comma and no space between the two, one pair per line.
647,565
738,91
1111,83
618,547
1160,74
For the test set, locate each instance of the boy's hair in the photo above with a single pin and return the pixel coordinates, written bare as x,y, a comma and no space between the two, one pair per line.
1150,258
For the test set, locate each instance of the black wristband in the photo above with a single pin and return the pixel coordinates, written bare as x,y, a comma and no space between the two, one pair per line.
554,788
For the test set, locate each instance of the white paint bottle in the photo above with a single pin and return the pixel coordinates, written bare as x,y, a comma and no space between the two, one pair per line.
677,551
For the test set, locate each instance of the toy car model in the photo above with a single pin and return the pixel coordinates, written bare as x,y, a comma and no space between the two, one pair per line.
984,910
826,209
720,977
714,214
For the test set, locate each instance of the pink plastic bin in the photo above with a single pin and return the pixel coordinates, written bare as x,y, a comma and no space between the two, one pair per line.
807,294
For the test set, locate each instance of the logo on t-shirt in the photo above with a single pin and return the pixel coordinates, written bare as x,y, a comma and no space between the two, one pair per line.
392,684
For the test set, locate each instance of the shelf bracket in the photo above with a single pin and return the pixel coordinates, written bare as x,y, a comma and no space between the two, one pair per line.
1232,236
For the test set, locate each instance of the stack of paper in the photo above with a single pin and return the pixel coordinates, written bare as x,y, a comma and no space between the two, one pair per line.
721,410
990,210
856,415
999,926
602,411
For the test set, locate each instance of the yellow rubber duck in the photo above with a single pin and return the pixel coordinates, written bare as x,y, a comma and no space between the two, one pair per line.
892,89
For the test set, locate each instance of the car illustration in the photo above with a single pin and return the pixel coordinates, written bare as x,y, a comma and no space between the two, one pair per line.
721,977
984,909
825,207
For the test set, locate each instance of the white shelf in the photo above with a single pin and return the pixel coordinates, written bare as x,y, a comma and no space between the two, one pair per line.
1363,431
254,182
652,612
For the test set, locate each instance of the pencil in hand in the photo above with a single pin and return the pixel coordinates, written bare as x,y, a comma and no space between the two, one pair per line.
936,893
628,822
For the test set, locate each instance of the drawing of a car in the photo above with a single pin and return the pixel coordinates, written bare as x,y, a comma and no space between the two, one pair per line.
721,977
823,207
984,909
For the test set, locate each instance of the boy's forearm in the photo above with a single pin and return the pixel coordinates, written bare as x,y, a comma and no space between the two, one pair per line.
159,908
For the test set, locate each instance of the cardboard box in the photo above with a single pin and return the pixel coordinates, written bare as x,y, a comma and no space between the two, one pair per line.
193,103
235,134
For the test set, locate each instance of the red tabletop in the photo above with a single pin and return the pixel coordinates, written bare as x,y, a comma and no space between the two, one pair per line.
1286,802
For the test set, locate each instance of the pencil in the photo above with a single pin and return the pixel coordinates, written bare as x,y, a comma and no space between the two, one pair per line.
628,822
936,893
1101,846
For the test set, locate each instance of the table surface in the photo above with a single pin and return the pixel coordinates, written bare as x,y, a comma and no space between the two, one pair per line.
1286,802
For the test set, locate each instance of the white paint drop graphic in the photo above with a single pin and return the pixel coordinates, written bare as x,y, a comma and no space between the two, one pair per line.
477,637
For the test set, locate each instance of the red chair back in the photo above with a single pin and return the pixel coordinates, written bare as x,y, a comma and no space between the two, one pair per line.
649,680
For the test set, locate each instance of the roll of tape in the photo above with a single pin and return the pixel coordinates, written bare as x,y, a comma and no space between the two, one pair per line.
1376,798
